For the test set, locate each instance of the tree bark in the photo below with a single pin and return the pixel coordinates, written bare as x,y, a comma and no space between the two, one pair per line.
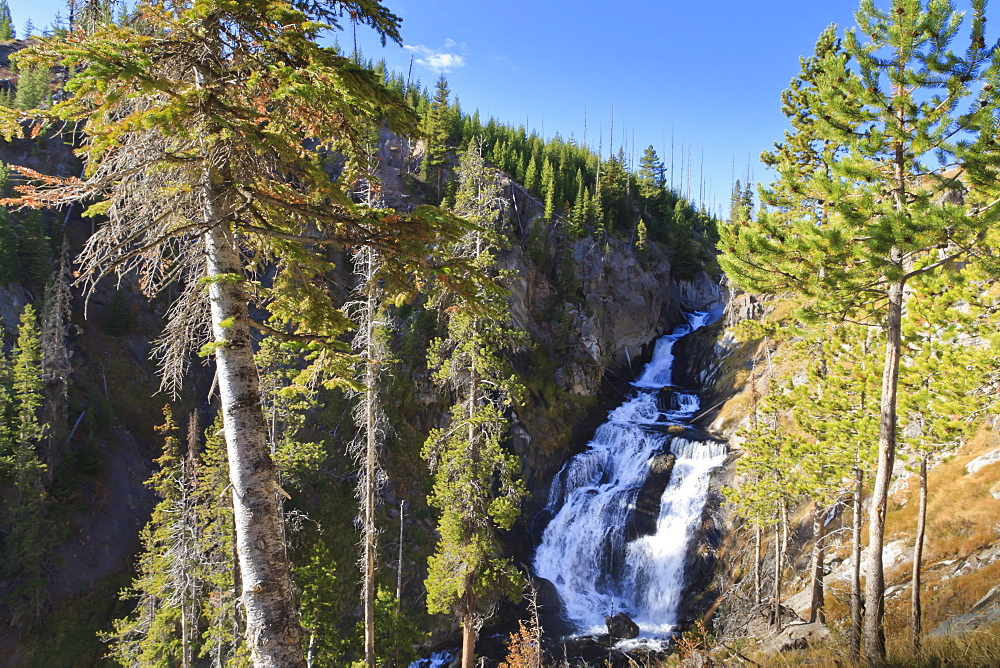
778,556
756,565
918,555
816,604
855,634
469,630
874,633
273,633
371,451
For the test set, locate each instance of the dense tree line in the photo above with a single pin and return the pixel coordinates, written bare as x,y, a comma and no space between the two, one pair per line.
592,195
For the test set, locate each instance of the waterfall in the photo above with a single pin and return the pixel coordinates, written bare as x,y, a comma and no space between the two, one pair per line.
584,550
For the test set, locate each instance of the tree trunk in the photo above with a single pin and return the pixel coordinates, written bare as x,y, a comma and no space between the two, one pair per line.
777,578
855,634
399,563
469,629
756,565
816,605
371,444
272,624
874,633
918,554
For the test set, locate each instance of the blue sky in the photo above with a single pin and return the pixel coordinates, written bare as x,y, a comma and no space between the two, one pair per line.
708,73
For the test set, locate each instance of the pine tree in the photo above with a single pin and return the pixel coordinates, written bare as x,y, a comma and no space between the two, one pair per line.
10,262
163,629
548,189
6,22
952,319
222,635
651,173
832,412
476,488
32,90
203,163
26,537
531,178
740,204
855,206
437,134
56,366
641,241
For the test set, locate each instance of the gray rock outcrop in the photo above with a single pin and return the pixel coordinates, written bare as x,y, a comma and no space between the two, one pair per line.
621,627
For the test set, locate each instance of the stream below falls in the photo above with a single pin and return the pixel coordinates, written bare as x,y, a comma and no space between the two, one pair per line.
598,553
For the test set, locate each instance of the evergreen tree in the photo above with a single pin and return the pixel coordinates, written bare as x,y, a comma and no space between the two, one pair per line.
26,537
685,257
641,241
832,412
33,90
951,324
651,173
476,488
6,22
222,635
437,134
855,208
532,180
578,216
56,366
204,162
740,204
10,262
548,189
164,625
613,198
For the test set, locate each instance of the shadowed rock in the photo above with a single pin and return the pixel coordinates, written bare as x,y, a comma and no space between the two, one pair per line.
621,627
647,502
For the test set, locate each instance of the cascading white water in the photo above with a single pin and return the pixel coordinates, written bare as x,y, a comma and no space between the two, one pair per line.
584,551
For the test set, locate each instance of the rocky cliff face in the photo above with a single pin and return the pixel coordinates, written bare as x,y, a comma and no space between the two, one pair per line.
593,308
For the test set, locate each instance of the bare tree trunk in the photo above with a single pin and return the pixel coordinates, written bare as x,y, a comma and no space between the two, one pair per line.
756,564
185,630
273,634
368,533
56,365
399,563
918,554
469,626
469,630
855,634
816,604
777,577
369,419
874,633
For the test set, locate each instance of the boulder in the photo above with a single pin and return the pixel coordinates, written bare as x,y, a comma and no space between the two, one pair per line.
647,502
983,461
761,623
621,627
796,636
985,612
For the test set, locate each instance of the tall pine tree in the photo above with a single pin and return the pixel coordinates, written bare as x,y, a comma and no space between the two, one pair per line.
476,485
857,203
203,126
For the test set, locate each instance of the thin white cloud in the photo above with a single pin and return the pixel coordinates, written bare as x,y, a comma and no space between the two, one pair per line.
439,60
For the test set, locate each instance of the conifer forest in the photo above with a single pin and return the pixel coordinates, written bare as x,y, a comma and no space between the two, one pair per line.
306,364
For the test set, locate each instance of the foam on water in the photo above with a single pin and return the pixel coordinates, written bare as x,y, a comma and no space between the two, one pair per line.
584,553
